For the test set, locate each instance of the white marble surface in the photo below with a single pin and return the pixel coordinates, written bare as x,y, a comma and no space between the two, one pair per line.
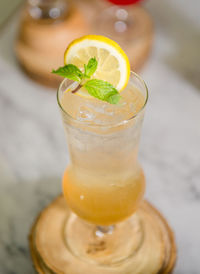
33,152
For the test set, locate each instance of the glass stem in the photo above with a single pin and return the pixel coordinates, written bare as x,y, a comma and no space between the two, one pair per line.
104,230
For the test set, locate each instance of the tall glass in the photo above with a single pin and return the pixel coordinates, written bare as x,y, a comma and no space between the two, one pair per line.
103,184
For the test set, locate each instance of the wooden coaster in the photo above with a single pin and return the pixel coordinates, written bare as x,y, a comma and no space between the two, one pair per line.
50,255
40,45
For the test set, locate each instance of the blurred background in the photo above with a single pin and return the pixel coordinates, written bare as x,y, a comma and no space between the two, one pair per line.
162,40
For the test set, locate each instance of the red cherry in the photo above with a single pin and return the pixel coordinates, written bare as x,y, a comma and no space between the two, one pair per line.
123,2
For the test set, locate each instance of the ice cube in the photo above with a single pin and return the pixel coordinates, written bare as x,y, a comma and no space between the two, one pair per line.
85,114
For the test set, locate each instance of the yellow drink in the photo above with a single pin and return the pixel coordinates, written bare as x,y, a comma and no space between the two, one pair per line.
99,202
104,182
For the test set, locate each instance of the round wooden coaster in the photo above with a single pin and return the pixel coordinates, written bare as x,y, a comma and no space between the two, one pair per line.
50,254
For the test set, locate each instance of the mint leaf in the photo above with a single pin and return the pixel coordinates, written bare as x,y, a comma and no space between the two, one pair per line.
85,76
102,90
70,71
90,68
114,99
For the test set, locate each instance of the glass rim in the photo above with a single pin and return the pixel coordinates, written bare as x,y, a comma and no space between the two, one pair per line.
111,124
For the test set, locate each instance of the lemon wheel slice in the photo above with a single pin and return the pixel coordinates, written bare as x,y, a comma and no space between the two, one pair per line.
113,63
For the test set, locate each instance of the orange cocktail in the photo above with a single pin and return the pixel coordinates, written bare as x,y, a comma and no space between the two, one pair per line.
104,182
102,105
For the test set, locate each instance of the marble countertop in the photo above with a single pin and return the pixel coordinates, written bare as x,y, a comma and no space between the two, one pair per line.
33,151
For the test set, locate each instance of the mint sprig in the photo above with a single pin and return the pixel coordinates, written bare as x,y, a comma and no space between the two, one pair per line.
97,88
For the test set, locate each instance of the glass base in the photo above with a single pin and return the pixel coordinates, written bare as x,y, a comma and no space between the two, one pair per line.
103,245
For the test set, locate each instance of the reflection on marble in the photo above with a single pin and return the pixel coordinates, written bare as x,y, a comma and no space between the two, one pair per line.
33,151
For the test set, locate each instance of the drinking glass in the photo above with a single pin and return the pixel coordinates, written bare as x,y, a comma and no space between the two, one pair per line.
48,10
120,21
127,23
103,184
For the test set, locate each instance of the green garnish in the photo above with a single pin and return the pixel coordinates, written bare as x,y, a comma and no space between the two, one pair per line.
99,89
70,71
102,90
91,67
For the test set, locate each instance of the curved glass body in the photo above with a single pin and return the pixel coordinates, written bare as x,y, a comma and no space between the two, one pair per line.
104,183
